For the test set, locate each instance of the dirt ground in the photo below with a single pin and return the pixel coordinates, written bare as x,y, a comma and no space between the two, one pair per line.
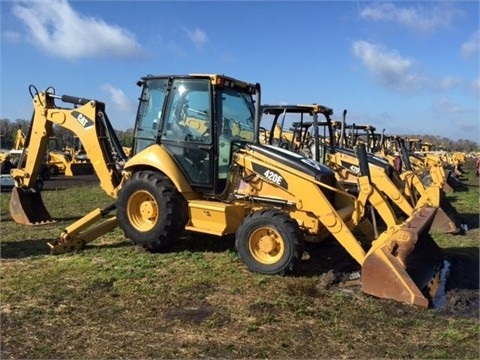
461,290
341,271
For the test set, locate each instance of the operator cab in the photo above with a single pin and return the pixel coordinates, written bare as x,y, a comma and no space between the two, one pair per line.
195,118
297,128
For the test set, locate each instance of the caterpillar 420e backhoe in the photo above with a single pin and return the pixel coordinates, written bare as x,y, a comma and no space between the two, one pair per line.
207,180
324,142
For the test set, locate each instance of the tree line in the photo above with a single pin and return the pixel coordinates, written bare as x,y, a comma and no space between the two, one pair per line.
463,145
65,138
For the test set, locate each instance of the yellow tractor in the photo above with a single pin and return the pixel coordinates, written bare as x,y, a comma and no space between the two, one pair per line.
56,162
66,162
318,140
424,175
428,166
215,182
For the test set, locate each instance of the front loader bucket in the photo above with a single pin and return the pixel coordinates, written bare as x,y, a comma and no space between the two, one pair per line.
447,187
26,207
405,265
453,183
447,220
443,223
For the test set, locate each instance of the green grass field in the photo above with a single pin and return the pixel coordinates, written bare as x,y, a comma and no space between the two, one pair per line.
114,300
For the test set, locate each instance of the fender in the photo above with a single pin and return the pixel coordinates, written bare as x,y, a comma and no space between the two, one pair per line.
157,157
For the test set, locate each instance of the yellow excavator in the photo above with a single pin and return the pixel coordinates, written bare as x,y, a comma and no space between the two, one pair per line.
211,181
330,144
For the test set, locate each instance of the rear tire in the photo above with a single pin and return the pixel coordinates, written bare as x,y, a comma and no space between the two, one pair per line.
151,212
270,242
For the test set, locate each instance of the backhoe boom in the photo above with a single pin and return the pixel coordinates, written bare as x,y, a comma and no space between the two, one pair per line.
90,123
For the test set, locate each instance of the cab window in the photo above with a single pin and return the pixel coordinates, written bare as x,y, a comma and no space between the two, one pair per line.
149,113
187,130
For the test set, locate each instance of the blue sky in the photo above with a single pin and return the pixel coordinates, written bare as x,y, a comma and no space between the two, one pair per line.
409,67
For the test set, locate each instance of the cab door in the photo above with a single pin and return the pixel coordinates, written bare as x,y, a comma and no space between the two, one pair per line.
187,130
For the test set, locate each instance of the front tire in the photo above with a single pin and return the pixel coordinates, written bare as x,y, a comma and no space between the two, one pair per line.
150,211
270,242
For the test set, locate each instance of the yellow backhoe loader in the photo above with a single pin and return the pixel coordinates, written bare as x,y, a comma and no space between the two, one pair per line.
318,140
451,161
419,171
429,167
66,162
56,162
213,182
424,178
17,150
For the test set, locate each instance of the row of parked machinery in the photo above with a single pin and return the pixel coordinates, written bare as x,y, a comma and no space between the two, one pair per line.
203,161
69,161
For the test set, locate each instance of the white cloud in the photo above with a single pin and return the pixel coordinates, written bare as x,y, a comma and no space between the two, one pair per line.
197,36
12,36
424,19
388,67
471,47
463,119
449,82
447,106
176,49
118,99
59,31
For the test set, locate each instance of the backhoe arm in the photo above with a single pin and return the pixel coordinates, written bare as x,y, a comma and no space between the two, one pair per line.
88,121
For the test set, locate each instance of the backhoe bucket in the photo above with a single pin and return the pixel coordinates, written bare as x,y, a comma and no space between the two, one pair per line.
405,265
26,207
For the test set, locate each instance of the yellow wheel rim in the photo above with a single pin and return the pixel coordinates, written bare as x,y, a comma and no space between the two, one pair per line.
266,245
143,211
